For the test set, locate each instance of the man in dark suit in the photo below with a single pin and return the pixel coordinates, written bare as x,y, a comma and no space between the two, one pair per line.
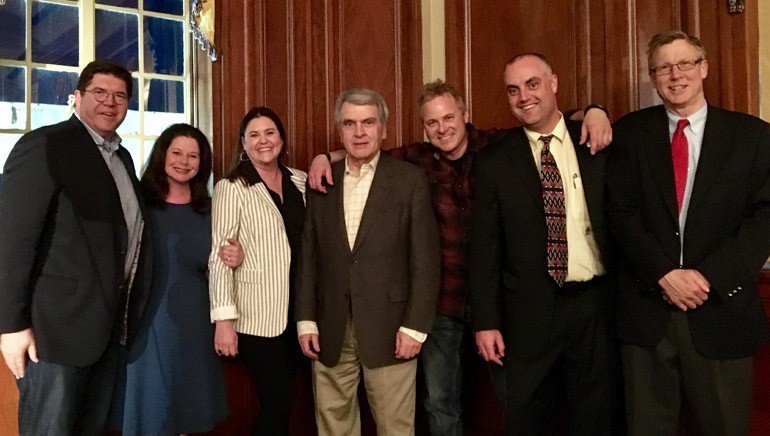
537,260
689,188
71,273
368,276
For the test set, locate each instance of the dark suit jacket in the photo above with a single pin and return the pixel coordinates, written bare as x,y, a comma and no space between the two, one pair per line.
389,279
727,234
63,240
511,290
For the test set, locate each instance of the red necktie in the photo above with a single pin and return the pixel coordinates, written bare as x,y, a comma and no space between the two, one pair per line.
555,213
679,156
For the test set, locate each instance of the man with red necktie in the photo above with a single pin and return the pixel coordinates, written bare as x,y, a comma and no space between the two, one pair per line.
689,187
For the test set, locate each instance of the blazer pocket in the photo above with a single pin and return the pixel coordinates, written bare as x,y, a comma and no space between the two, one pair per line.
246,275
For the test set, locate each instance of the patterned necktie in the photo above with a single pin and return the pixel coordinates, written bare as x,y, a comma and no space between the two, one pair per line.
555,213
679,148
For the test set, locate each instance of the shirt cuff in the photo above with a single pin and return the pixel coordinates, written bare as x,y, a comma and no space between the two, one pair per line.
223,313
306,328
414,334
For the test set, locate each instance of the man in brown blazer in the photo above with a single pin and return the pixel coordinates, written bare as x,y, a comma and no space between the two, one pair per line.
368,276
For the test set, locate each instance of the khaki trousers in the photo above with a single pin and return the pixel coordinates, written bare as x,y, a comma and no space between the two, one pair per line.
389,389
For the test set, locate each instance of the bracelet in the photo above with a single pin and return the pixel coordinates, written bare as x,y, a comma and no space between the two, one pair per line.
596,106
328,156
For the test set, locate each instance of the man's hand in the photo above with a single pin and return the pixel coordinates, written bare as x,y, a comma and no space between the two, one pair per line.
406,346
15,348
491,346
596,131
225,338
231,254
309,344
685,288
319,168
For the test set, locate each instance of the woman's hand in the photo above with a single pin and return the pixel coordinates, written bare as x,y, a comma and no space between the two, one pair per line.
225,338
231,254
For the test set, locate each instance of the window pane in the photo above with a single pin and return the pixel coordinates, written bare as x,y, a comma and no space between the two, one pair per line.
7,141
165,106
156,122
130,125
54,34
13,18
124,3
164,43
166,96
12,84
117,38
53,87
50,95
13,110
174,7
134,146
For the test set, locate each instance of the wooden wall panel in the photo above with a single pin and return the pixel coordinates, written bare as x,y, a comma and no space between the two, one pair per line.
296,57
483,35
598,50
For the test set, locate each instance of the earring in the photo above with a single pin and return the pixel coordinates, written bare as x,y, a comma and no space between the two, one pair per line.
243,157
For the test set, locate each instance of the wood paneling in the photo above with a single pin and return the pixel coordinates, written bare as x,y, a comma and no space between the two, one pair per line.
597,49
296,57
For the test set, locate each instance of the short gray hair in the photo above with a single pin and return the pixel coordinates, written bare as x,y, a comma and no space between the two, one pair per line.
360,97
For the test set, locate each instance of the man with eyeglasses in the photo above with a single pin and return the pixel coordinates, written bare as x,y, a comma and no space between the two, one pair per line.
689,187
71,269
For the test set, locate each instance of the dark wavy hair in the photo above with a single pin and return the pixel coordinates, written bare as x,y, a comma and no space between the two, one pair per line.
105,67
244,169
155,180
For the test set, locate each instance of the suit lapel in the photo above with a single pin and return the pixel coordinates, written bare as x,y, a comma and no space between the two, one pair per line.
338,174
524,165
714,149
264,196
378,193
659,157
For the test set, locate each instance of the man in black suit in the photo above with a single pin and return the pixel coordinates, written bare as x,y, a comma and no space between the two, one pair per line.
71,268
537,269
689,188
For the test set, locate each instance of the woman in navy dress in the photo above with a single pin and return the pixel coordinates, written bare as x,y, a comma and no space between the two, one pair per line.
173,381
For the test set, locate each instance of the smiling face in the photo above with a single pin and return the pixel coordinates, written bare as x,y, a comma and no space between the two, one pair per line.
103,117
361,132
681,91
262,142
182,160
531,89
444,125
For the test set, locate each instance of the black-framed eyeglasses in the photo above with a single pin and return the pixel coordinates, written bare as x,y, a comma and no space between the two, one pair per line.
681,65
101,95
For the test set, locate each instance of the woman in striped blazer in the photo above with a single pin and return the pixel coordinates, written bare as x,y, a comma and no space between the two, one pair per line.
260,203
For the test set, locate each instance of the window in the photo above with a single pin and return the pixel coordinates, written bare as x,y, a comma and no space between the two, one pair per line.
45,44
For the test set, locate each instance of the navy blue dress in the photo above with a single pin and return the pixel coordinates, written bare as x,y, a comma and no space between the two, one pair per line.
173,381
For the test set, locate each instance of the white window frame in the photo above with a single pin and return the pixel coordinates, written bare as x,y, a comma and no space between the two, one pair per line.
87,53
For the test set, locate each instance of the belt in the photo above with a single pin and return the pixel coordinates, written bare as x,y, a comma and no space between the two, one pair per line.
572,287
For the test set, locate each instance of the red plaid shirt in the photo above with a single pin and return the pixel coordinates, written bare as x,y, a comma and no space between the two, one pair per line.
452,202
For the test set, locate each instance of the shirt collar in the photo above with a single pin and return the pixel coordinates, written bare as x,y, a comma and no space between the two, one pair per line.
697,120
371,164
559,132
110,145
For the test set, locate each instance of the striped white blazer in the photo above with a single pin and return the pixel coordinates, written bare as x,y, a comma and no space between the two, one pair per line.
256,294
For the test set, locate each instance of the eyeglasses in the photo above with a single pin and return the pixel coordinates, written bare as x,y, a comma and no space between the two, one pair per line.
681,65
101,95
